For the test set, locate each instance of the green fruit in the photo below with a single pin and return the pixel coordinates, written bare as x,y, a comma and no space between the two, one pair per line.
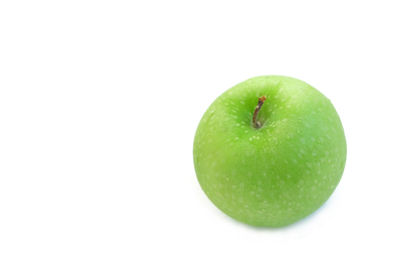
279,168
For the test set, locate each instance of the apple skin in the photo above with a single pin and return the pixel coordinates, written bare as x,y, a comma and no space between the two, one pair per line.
280,173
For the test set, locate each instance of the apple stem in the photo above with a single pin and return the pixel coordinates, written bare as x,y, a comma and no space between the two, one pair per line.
257,124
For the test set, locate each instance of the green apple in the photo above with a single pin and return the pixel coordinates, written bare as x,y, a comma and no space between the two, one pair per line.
270,151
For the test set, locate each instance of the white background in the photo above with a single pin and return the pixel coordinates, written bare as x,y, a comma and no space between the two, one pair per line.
100,100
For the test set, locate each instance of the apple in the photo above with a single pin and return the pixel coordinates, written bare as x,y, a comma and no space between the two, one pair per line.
270,151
